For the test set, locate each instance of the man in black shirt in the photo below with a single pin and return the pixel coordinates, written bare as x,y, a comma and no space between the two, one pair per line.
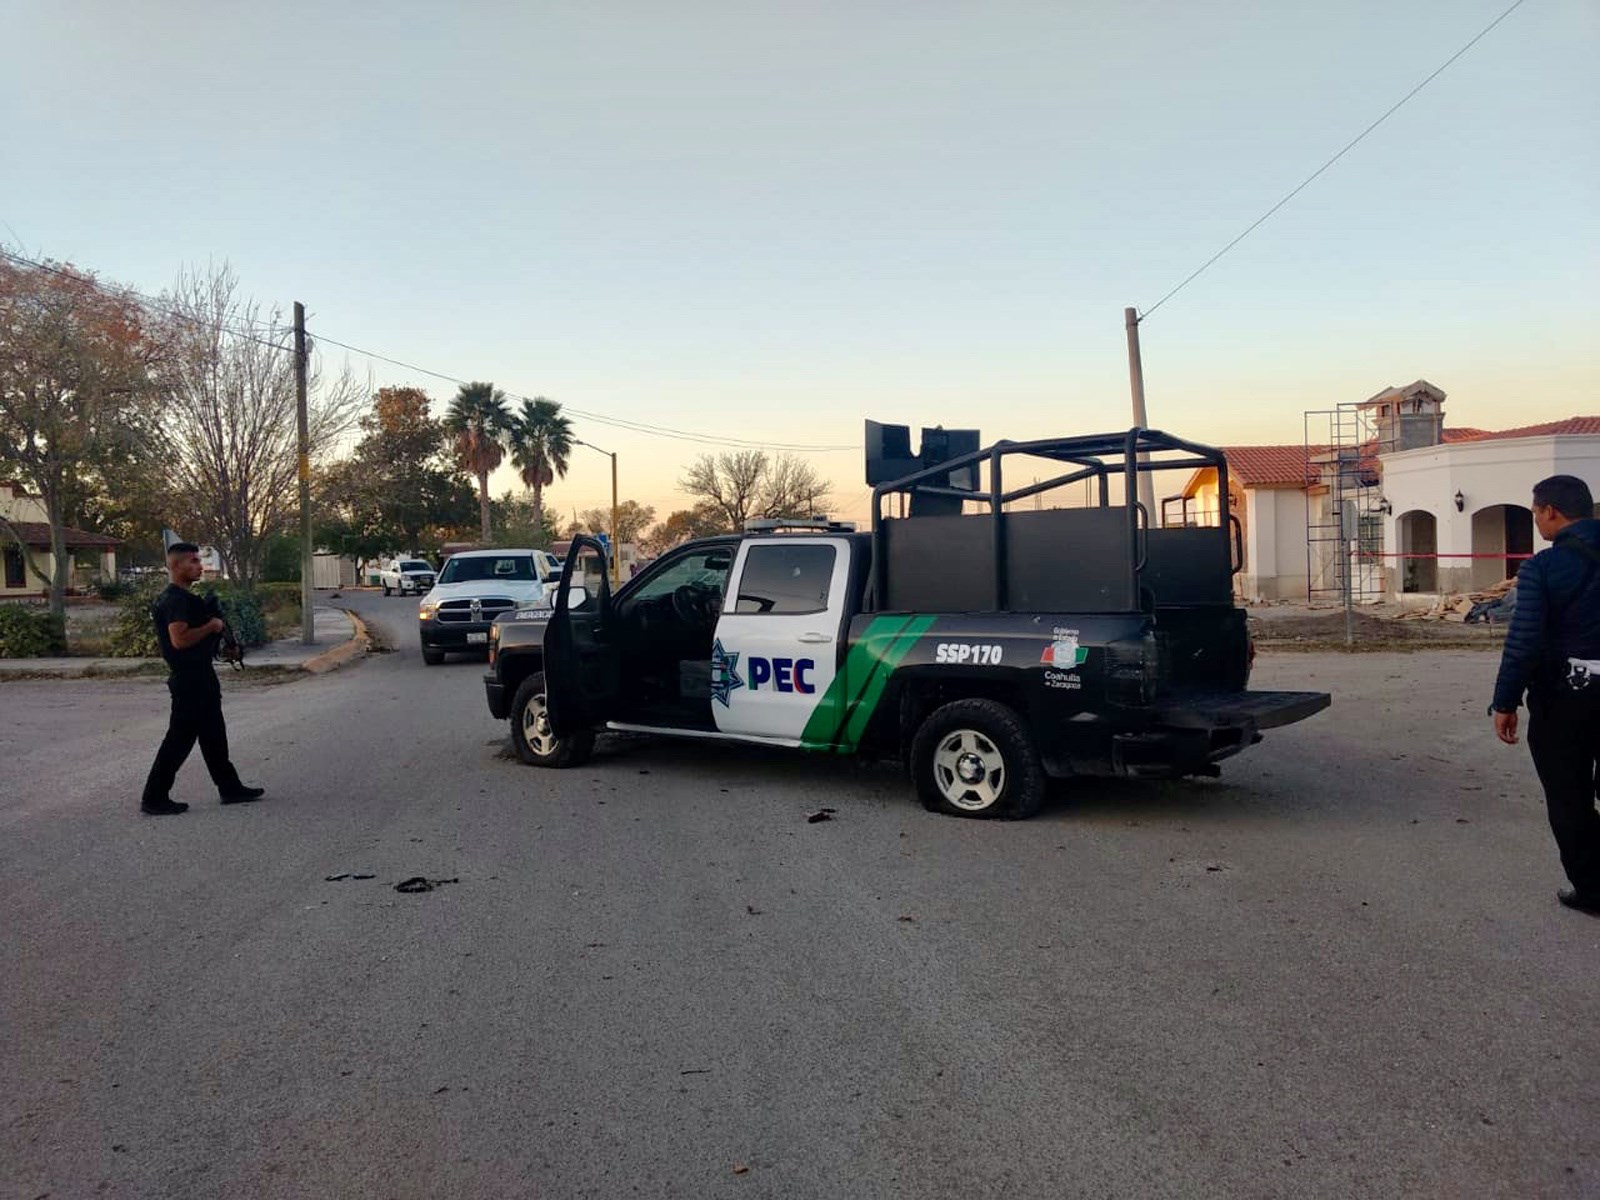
1552,652
188,635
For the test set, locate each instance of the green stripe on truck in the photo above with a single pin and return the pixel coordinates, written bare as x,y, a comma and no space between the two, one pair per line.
841,716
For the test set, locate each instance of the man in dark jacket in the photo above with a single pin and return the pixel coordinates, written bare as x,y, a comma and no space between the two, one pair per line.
188,633
1552,653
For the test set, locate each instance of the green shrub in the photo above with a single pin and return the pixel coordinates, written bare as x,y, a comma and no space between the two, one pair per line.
281,562
112,590
276,597
133,635
243,610
27,632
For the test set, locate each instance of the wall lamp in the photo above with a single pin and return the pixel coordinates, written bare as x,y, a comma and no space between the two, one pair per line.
1461,502
1384,506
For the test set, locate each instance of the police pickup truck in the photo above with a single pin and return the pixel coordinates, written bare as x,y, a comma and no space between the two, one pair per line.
990,649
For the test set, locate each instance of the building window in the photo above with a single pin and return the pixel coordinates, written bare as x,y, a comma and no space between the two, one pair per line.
16,575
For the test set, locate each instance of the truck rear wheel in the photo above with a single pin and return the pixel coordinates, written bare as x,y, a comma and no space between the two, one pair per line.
530,730
975,758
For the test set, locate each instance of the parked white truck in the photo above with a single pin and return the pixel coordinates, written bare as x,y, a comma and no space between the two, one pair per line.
405,575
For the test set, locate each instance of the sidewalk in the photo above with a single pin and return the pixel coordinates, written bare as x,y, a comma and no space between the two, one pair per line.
340,637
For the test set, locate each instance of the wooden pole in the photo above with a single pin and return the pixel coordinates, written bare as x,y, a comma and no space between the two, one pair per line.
616,543
308,624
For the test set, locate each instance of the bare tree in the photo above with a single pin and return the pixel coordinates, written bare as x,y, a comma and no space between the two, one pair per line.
229,428
746,483
792,488
731,482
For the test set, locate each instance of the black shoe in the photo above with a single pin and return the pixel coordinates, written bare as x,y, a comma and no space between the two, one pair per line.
1585,902
163,808
243,795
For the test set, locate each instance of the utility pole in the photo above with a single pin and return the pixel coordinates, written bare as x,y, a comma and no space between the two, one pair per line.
308,623
616,544
1147,494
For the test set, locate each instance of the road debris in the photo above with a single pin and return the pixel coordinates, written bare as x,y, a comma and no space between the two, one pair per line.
421,883
347,875
1490,604
822,814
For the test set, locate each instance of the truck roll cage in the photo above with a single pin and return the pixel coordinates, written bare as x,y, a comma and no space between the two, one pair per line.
1004,559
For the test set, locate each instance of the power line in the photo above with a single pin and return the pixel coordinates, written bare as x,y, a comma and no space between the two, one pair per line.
1398,104
624,423
149,303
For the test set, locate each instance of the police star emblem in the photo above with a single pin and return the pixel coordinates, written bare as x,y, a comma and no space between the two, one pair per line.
724,674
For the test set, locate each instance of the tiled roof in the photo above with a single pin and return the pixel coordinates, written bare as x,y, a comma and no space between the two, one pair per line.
37,534
1266,466
1572,425
1291,466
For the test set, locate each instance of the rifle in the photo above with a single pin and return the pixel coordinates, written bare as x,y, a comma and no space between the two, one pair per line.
229,648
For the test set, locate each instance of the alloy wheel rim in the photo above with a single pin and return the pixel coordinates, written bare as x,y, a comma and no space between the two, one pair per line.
536,727
969,770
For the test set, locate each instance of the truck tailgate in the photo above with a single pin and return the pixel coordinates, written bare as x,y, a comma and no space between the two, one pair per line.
1263,710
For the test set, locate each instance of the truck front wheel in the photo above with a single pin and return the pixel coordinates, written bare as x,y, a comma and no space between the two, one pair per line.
975,758
530,730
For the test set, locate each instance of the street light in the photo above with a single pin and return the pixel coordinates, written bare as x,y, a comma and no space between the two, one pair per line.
616,544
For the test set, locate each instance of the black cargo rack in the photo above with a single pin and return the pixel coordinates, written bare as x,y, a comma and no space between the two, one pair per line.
1091,558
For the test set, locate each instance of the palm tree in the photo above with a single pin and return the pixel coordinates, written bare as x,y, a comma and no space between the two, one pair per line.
479,420
541,444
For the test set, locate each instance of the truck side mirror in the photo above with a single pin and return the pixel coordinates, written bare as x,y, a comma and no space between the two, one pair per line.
577,597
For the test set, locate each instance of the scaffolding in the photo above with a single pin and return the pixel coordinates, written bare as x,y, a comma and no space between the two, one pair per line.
1344,523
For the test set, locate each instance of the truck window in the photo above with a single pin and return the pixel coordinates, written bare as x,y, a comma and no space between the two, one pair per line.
706,570
786,579
468,570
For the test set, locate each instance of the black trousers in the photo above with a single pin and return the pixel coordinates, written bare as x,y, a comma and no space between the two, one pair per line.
1564,736
196,716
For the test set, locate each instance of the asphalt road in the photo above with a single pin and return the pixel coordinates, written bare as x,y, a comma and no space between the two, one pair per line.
1338,971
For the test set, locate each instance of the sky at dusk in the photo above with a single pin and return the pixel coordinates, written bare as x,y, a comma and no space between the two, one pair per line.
773,220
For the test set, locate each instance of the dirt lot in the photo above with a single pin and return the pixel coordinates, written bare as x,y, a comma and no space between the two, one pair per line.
1299,627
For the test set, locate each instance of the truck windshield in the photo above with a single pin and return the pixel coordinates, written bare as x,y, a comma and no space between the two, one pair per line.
415,566
509,567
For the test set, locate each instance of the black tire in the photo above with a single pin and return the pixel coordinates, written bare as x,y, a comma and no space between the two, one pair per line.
432,656
386,589
570,751
991,740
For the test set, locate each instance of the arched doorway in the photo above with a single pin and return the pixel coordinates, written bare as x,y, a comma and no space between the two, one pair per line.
1500,529
1419,535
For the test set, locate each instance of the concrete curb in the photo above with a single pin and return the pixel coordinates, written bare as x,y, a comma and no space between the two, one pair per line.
331,660
135,668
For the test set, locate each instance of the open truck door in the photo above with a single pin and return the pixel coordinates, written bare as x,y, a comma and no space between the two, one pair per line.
581,671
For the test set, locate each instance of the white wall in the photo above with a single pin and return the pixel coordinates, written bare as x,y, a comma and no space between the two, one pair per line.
1275,544
1485,473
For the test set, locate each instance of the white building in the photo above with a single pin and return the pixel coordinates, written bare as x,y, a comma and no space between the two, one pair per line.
1267,493
1466,501
25,548
1433,509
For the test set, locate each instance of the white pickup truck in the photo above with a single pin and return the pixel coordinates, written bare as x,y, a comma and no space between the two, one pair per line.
475,587
406,575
